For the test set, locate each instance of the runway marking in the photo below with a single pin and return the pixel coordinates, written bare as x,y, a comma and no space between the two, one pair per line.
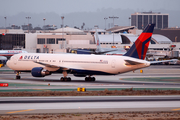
175,109
20,111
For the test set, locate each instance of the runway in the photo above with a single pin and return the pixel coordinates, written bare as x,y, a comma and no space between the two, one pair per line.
32,105
155,77
87,99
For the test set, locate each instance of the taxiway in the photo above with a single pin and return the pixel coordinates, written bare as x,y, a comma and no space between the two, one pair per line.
154,77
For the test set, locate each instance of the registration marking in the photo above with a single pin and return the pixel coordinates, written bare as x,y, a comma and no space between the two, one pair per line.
20,111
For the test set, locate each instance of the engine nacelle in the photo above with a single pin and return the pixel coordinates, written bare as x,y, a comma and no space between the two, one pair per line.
39,72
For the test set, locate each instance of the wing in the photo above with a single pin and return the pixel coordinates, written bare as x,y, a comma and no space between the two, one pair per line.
52,66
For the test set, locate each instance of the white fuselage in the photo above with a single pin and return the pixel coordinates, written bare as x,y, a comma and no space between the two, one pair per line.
53,62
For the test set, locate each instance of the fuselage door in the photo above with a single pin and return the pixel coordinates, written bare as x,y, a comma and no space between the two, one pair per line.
113,64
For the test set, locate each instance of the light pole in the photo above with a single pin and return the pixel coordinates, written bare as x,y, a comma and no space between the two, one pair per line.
105,21
129,21
28,22
5,24
44,19
62,17
113,17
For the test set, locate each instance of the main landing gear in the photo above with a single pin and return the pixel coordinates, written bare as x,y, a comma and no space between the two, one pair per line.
65,78
90,78
18,76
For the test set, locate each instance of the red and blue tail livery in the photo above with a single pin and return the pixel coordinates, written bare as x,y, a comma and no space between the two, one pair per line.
140,47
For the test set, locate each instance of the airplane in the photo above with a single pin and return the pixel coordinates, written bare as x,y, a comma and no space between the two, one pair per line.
3,60
99,50
80,65
5,54
107,51
8,53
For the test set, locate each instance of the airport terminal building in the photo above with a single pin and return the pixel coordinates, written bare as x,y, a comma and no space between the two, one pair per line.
63,39
67,38
141,19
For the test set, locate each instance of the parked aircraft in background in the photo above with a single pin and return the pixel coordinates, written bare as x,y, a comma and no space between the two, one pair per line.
2,60
11,52
43,64
107,51
99,50
6,54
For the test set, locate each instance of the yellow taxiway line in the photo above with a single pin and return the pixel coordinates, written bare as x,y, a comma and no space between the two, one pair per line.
175,109
20,111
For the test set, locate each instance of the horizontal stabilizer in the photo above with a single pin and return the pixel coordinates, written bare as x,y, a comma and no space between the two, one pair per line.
153,62
129,62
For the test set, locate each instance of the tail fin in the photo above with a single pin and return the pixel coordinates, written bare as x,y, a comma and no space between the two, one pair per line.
140,47
97,42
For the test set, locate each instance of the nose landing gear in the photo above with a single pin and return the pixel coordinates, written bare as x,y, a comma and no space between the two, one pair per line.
18,76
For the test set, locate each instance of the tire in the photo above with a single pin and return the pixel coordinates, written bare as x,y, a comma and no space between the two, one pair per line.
65,79
93,78
62,79
18,77
69,79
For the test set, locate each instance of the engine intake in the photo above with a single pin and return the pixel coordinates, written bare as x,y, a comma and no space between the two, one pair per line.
39,72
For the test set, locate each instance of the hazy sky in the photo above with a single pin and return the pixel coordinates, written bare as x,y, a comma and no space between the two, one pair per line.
92,12
13,7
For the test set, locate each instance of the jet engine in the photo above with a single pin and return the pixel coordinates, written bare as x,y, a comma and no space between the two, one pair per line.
39,72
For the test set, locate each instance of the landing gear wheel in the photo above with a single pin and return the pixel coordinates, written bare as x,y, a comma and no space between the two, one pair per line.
90,79
65,79
18,77
93,79
69,79
62,79
86,78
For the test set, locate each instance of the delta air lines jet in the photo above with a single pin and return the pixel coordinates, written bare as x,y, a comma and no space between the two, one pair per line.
43,64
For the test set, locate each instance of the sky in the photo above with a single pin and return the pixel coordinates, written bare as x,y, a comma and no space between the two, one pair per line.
12,8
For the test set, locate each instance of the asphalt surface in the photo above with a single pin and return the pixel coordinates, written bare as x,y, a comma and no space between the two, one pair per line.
87,99
154,77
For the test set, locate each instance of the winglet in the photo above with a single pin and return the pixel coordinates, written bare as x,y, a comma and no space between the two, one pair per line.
140,47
